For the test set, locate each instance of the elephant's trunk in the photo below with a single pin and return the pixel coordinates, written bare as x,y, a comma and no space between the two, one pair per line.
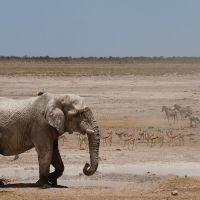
94,141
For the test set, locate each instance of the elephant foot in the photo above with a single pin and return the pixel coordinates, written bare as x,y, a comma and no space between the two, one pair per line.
43,184
1,183
52,180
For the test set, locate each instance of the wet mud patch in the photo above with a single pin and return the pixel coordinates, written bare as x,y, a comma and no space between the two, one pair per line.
118,177
112,180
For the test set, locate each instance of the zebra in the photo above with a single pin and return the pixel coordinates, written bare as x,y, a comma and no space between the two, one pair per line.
183,111
193,120
170,113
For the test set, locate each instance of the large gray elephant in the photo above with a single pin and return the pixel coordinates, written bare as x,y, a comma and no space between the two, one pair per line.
38,122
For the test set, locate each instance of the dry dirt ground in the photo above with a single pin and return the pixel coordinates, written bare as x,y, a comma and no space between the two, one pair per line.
120,103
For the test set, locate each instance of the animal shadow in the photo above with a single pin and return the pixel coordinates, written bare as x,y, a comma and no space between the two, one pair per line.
26,185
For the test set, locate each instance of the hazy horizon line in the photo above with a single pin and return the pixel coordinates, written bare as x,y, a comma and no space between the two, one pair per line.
98,57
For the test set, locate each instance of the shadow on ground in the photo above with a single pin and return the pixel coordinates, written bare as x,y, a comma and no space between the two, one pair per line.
24,185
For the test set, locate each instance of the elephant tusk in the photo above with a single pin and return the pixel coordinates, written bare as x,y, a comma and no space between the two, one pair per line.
89,131
86,129
72,112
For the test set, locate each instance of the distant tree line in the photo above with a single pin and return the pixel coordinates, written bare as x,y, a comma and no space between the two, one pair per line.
111,59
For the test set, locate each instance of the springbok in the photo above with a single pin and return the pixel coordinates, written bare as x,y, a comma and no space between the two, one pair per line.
142,135
155,137
175,136
63,138
129,139
83,140
107,138
119,134
16,157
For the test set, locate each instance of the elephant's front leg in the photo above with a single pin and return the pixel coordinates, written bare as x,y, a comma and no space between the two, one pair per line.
44,159
43,138
57,164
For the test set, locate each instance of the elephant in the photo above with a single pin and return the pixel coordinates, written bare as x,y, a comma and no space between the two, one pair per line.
38,122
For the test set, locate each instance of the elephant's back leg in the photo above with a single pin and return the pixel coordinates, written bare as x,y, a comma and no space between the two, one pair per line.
57,164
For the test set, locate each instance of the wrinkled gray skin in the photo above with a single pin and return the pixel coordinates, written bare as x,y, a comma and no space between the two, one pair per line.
38,122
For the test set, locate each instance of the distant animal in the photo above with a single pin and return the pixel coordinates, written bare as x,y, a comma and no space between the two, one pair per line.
142,135
119,134
63,138
183,111
129,139
155,137
107,138
193,120
173,136
83,141
16,157
170,113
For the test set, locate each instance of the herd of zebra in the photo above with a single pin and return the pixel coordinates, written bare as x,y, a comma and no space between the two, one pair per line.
183,112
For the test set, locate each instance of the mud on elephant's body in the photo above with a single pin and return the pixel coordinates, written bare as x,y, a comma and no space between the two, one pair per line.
38,122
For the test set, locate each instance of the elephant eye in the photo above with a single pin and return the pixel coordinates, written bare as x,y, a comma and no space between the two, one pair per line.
82,115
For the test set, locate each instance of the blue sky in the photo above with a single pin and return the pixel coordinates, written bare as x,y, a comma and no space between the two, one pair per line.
100,27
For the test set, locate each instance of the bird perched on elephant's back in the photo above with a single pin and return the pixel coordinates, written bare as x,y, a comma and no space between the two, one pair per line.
38,122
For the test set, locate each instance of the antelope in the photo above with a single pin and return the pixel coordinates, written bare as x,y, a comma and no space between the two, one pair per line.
107,138
128,138
16,157
175,136
83,140
142,135
155,137
63,138
119,134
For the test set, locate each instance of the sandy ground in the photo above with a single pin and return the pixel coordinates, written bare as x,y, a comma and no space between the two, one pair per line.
120,103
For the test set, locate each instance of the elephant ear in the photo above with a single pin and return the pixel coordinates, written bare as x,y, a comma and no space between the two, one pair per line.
55,116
